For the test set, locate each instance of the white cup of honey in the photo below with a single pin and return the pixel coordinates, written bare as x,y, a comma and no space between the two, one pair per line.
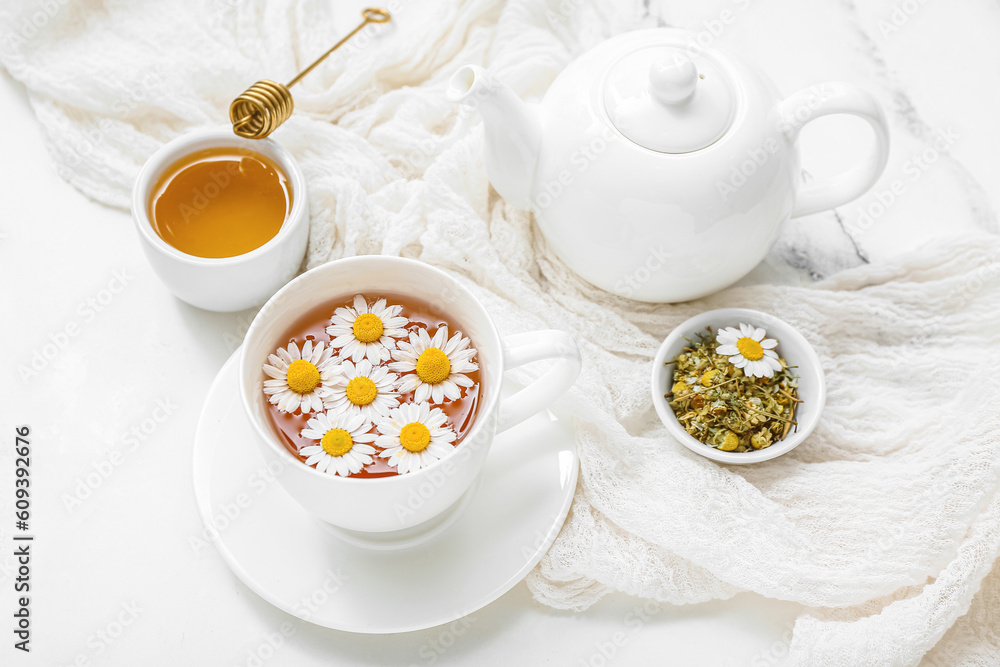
223,220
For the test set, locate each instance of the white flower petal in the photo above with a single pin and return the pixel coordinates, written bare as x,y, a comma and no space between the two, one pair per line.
726,337
461,380
344,316
342,468
451,390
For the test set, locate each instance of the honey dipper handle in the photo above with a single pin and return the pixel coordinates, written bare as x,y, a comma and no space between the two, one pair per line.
371,15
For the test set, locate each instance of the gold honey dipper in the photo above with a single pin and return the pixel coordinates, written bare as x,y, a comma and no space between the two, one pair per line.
266,104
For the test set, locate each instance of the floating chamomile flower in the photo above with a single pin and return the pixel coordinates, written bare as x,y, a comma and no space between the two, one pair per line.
747,348
413,436
361,332
342,448
363,389
300,379
439,364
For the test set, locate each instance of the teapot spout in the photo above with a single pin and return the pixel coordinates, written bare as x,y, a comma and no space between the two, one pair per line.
513,132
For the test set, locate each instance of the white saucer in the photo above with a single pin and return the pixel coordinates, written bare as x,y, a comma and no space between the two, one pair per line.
303,567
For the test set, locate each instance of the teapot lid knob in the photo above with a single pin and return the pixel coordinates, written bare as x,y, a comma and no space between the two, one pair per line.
672,80
664,99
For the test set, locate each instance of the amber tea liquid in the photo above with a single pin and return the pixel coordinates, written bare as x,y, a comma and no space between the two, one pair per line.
312,326
220,202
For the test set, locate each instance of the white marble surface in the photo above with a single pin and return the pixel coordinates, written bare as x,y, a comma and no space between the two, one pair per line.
134,347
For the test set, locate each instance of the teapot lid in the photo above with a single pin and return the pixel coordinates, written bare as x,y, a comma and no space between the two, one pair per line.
664,100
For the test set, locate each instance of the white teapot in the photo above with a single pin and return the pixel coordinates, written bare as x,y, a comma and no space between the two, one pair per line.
658,170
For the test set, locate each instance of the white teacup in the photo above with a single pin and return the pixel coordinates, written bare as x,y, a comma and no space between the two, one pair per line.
389,504
224,283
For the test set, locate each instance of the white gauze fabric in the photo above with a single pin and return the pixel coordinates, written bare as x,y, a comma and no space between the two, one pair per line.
884,523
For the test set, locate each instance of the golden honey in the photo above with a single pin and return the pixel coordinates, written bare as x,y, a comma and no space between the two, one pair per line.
220,202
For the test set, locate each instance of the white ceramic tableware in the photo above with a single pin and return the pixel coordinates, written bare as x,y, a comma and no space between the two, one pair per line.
792,347
290,558
659,170
398,503
224,283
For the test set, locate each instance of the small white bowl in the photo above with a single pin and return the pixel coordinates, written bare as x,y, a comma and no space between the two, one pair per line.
792,347
224,284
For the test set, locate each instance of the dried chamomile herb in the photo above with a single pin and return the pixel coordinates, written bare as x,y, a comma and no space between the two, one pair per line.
734,393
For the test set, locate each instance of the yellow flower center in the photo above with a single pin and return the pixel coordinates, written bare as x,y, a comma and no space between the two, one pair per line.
302,376
730,442
415,437
337,442
708,377
361,391
750,349
368,328
433,366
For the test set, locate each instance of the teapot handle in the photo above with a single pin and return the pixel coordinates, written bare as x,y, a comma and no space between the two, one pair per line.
836,98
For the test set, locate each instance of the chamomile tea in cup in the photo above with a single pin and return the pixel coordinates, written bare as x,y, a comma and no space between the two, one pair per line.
223,220
373,387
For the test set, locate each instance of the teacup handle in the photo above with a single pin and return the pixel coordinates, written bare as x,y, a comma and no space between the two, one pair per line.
834,98
525,348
